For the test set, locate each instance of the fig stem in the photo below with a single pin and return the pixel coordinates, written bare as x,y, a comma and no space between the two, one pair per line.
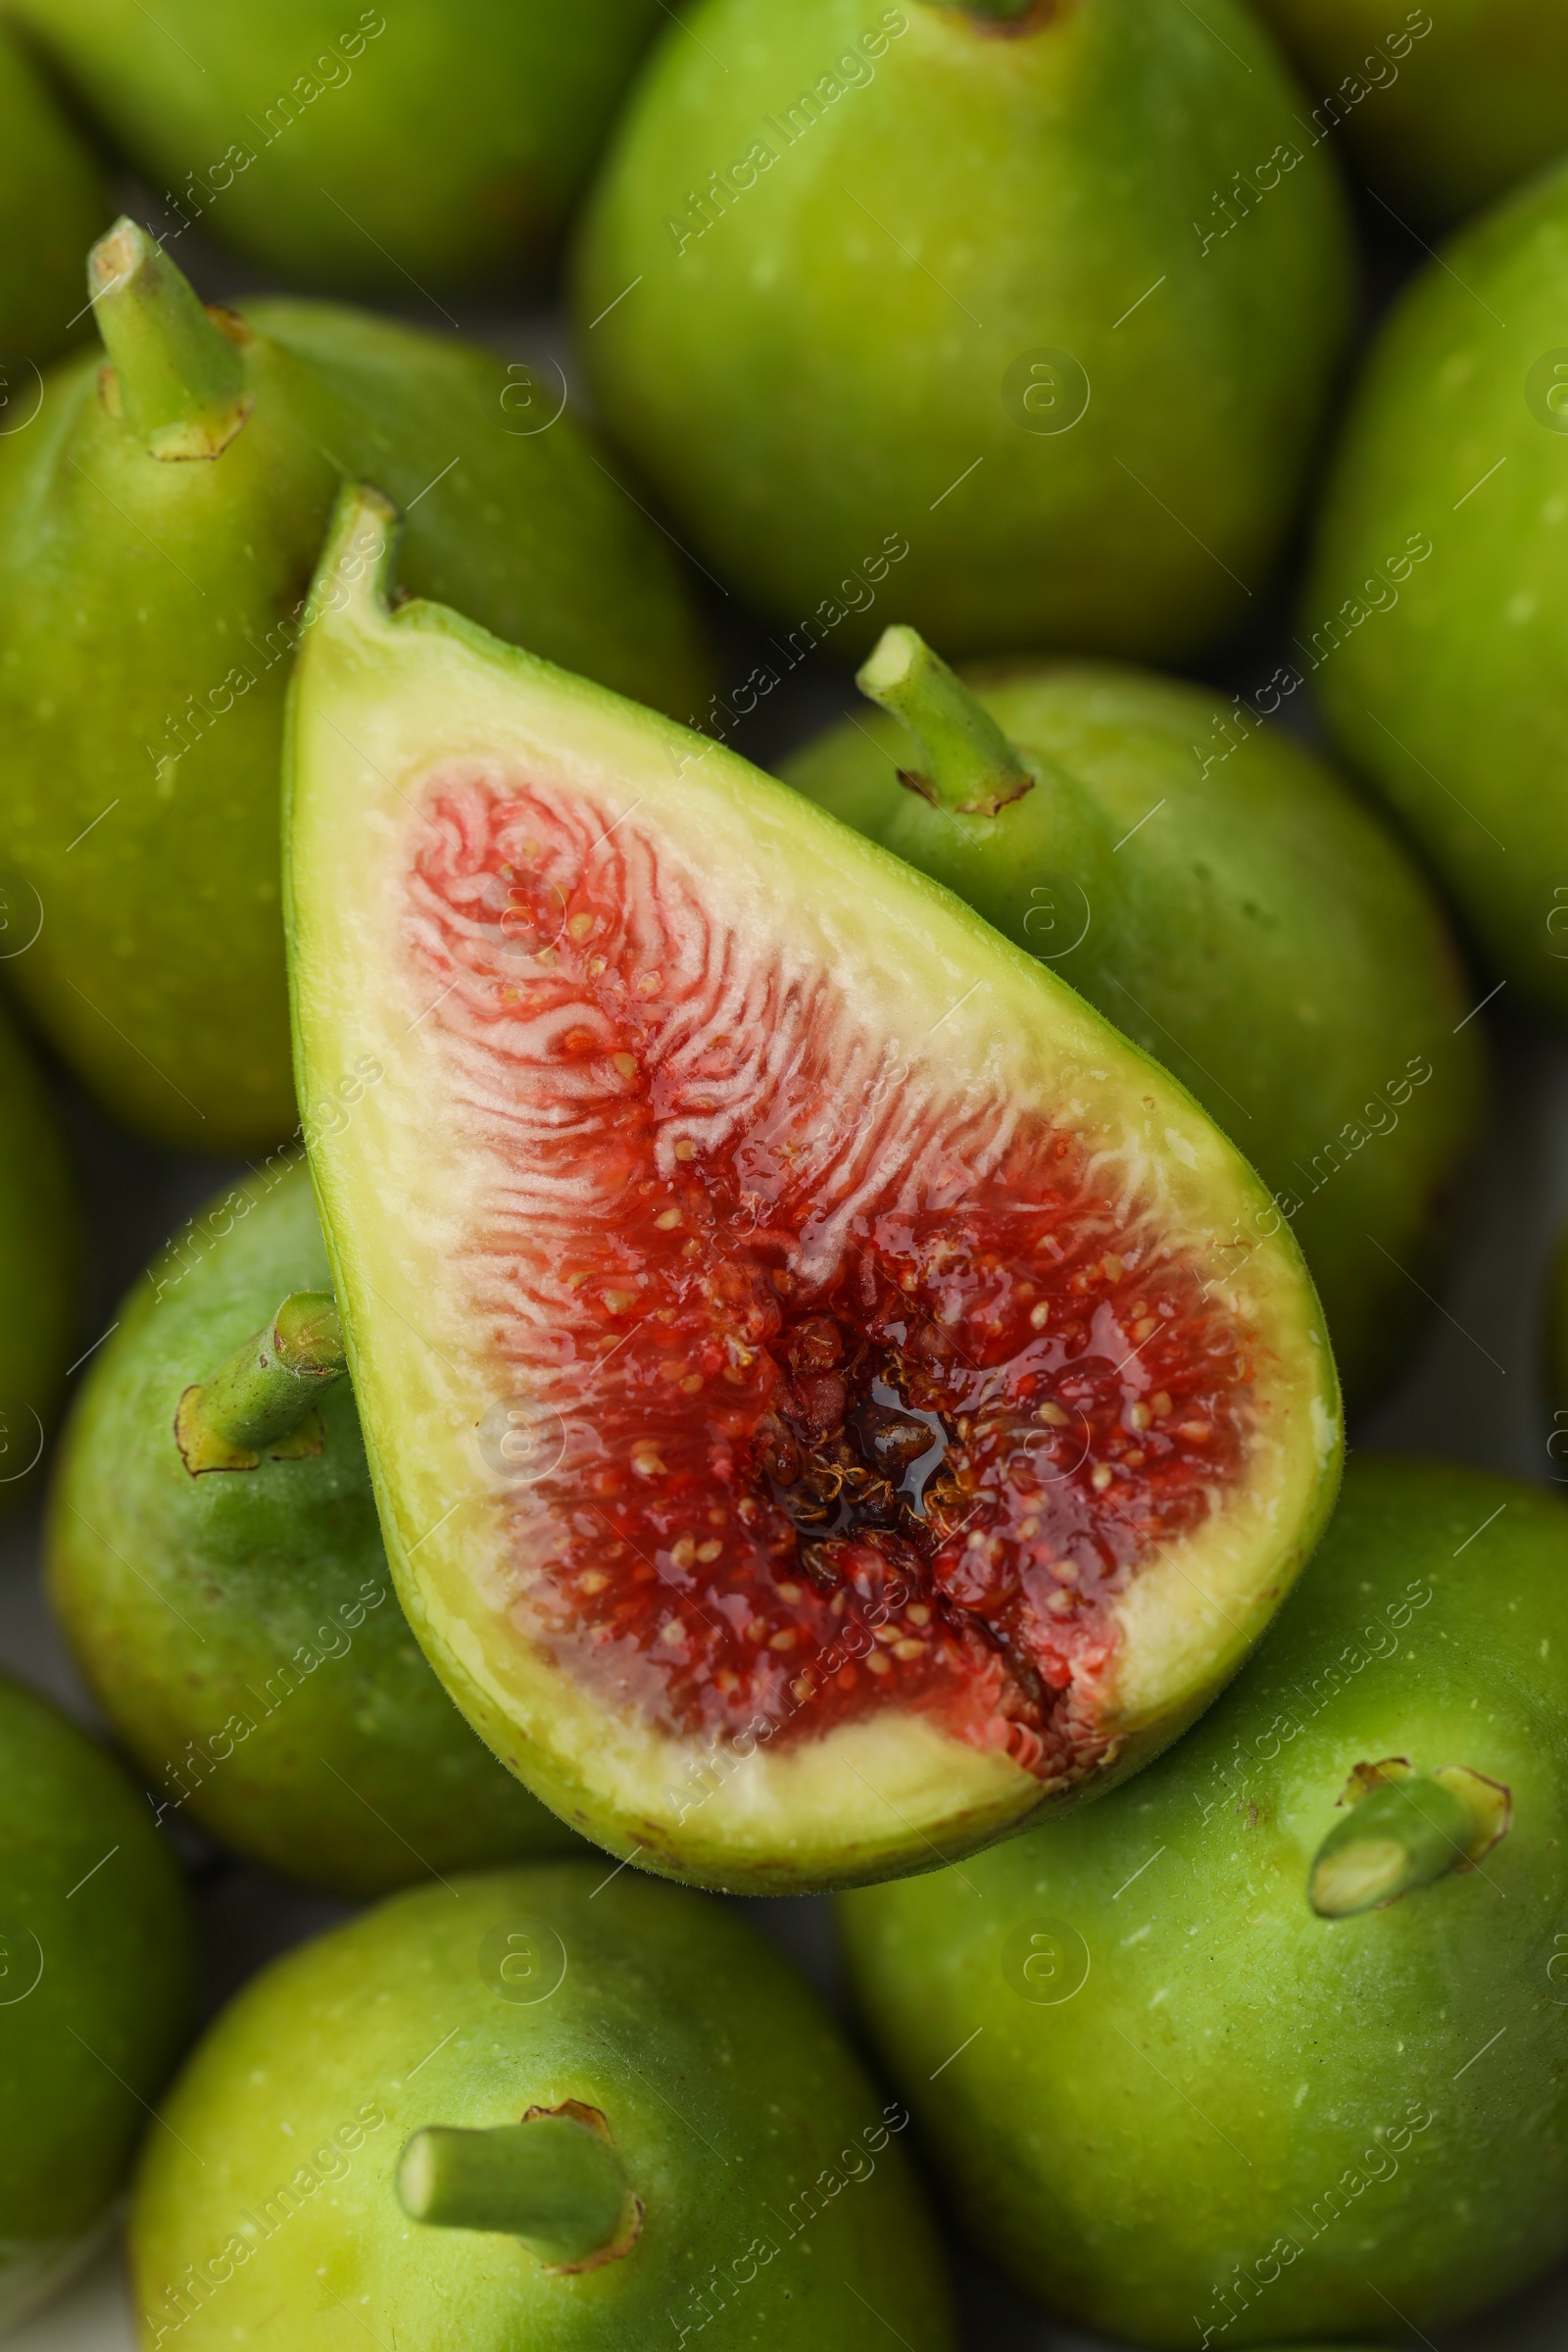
354,577
551,2181
966,763
178,378
261,1396
1406,1834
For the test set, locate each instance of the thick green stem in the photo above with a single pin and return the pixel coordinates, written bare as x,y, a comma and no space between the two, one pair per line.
551,2181
176,378
262,1398
966,763
1407,1831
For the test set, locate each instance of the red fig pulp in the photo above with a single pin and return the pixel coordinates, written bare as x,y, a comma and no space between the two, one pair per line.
826,1390
813,1337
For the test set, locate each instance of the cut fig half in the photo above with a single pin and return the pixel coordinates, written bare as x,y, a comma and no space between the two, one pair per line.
829,1396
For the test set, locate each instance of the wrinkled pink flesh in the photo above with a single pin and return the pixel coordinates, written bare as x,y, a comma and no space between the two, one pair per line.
718,1223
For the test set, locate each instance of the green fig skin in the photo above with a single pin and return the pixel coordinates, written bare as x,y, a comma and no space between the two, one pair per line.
1224,900
148,611
97,1971
1446,108
53,203
837,367
352,148
777,2206
240,1628
1356,2109
1441,677
40,1255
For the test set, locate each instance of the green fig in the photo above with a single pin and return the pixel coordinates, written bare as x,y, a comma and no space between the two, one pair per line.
1041,306
828,1394
356,148
1446,108
96,1981
540,2107
53,203
1270,2044
1435,622
1217,893
157,531
215,1561
40,1247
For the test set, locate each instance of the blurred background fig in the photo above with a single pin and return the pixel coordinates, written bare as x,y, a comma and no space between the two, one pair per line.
53,203
1265,2043
1042,307
1435,619
96,1983
356,148
216,1567
1445,108
40,1240
157,541
1217,892
534,2108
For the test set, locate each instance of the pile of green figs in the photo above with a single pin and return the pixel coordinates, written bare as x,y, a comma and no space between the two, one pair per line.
783,886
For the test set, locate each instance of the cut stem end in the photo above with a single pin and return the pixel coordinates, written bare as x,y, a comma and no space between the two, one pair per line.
966,763
262,1398
553,2181
1407,1831
178,376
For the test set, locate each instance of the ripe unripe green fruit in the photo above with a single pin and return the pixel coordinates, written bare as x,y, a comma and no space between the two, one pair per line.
216,1560
1445,107
1218,895
157,532
1029,308
537,2107
52,204
1436,612
40,1247
356,148
1310,1967
96,1981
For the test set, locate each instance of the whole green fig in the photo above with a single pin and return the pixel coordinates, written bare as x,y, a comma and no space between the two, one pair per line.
1269,2043
356,147
96,1977
41,1245
1215,892
52,204
157,532
1434,623
215,1561
539,2107
1041,305
1446,107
